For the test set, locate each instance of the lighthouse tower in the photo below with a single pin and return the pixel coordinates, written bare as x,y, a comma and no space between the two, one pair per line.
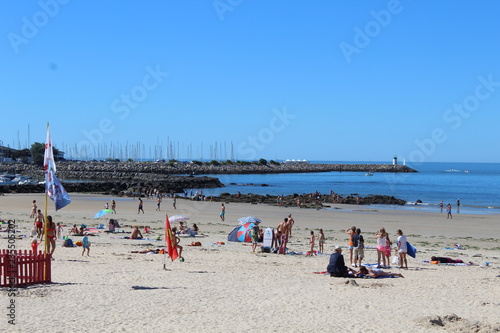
395,160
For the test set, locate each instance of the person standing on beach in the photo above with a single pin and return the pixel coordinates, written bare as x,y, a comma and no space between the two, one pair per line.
359,248
312,242
222,212
291,222
113,206
321,241
351,232
86,244
255,236
402,249
140,207
174,202
39,224
448,211
51,235
441,206
158,203
286,229
381,236
33,210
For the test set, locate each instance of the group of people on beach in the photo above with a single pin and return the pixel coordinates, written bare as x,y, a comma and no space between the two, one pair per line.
448,208
337,267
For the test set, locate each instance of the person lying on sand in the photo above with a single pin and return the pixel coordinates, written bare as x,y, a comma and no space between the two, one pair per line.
444,260
375,273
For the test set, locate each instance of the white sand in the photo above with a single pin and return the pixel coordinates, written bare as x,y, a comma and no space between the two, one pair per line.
226,288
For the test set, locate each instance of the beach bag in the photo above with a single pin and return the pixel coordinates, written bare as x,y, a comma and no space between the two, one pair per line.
395,260
68,243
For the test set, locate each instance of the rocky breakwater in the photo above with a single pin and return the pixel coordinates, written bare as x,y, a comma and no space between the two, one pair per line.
316,201
175,184
151,170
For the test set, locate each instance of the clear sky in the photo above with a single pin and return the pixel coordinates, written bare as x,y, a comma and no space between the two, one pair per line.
282,79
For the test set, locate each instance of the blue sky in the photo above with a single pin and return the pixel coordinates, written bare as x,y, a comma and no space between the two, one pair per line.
323,80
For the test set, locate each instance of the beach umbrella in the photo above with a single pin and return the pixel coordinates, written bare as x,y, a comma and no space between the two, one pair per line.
178,218
102,213
249,219
245,232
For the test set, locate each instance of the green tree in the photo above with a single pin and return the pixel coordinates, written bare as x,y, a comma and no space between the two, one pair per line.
38,152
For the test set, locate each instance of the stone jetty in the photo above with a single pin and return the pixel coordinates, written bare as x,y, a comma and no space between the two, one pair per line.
93,170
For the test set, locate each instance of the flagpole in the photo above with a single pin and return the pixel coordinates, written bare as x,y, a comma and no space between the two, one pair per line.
45,213
166,248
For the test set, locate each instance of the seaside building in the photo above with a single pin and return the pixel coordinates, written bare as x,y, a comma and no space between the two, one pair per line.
296,162
6,154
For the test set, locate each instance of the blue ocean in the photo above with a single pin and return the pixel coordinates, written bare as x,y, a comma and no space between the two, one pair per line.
476,185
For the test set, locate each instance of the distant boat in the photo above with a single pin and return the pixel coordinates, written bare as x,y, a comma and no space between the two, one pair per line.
466,171
451,170
368,174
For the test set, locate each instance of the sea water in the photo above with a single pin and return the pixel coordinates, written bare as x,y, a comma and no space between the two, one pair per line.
476,185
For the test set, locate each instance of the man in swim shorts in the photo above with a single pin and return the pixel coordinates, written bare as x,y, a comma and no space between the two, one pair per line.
39,224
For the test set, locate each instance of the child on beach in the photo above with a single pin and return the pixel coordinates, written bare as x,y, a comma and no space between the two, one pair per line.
381,236
86,244
321,241
34,245
388,251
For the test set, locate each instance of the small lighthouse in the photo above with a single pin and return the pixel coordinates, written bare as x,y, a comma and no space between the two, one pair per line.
395,160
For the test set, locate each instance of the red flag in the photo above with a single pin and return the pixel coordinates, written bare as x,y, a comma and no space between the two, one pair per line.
170,239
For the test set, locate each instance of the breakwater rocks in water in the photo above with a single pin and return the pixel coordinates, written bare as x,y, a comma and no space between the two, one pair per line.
313,200
175,184
151,170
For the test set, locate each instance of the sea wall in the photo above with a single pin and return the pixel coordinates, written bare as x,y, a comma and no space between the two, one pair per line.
175,184
151,170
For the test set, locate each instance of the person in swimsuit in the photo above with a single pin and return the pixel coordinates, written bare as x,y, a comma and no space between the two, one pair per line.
158,204
375,273
39,224
140,207
312,242
51,235
86,244
136,233
33,210
222,212
321,240
113,206
381,236
351,232
448,211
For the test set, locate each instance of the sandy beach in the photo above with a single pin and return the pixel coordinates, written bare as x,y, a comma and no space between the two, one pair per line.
227,288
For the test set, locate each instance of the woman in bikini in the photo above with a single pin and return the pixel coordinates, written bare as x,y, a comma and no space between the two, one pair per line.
375,273
51,235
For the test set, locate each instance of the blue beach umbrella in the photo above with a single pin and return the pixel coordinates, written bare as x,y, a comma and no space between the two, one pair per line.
249,219
103,212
